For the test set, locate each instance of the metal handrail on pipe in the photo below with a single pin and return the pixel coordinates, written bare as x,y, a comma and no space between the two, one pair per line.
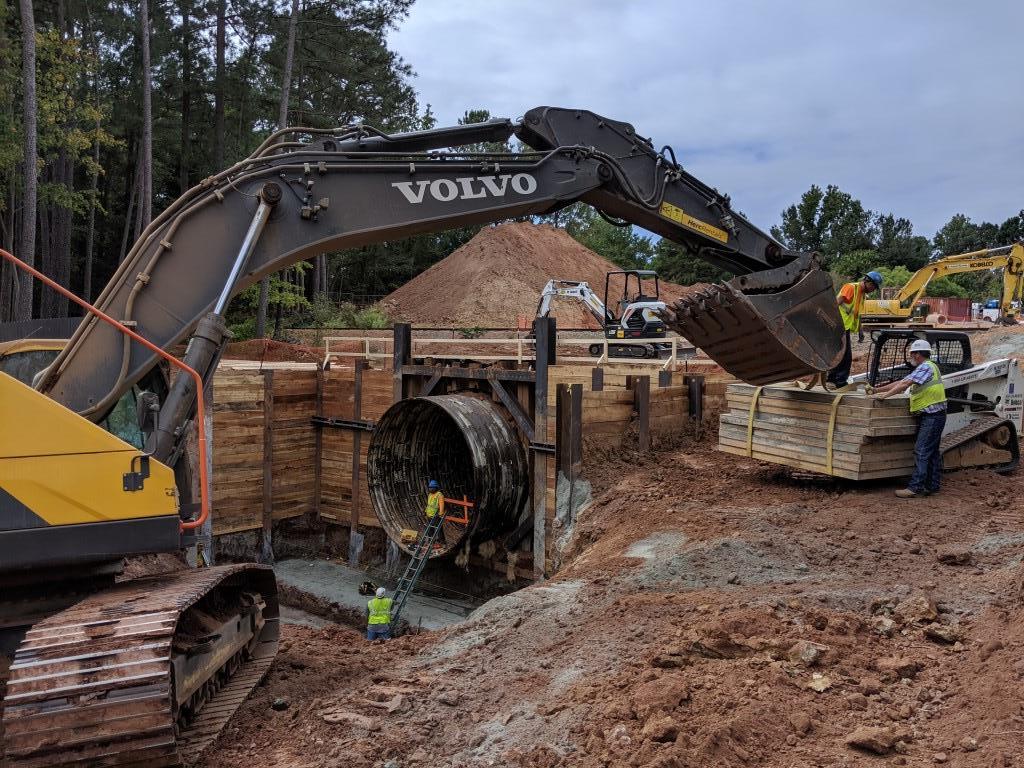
204,496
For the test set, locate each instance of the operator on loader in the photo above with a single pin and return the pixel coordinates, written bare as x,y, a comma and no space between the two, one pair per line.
928,402
378,616
851,302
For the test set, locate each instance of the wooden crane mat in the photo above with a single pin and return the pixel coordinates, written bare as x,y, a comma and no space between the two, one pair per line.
848,435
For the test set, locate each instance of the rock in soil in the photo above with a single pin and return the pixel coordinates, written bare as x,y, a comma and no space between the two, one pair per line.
877,740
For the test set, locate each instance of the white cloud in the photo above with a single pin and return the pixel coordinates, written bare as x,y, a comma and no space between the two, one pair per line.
915,107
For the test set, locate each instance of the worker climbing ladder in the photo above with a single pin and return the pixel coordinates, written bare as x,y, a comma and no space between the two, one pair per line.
421,553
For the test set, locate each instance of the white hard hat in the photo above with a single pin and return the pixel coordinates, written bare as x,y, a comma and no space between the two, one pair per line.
381,591
921,346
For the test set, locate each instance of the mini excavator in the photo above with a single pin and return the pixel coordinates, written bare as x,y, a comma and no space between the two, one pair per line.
147,671
639,316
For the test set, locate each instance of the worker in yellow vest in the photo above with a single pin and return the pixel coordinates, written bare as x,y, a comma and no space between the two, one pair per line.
435,500
928,403
851,301
378,616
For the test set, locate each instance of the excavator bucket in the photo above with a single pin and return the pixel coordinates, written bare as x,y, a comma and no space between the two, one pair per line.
766,327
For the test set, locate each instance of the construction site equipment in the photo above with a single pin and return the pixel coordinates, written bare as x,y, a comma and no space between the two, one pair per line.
421,552
76,499
352,186
469,443
173,662
638,315
1010,259
850,434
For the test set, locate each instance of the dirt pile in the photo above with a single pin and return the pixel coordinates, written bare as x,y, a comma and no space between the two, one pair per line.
270,351
718,612
498,275
999,341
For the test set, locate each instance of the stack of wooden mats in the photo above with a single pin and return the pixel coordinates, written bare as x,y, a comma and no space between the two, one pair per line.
845,435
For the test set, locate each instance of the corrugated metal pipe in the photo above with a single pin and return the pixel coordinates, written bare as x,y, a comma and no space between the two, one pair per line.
465,442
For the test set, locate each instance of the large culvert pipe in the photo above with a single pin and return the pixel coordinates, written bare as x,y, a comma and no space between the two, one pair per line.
467,444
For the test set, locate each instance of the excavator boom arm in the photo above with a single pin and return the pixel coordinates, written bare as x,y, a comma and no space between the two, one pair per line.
573,290
292,200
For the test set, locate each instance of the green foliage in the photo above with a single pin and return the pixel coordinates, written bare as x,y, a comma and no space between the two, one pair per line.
856,264
958,235
367,318
623,246
324,314
471,333
674,262
895,277
896,243
1012,230
843,230
285,291
244,329
961,235
944,287
828,221
10,120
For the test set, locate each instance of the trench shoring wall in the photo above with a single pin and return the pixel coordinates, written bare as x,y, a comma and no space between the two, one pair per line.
272,463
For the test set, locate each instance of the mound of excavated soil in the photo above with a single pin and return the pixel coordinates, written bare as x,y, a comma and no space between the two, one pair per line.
498,275
270,351
1000,341
716,612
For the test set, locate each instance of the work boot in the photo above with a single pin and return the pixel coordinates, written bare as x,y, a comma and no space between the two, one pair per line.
906,493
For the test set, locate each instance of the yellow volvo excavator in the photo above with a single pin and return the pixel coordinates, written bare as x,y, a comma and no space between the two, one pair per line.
144,672
1009,258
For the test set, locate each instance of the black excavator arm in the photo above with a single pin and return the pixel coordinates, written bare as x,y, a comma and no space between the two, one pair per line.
305,192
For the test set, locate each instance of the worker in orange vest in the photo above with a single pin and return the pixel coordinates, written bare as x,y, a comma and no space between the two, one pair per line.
851,301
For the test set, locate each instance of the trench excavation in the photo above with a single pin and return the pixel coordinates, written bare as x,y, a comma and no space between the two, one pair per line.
464,441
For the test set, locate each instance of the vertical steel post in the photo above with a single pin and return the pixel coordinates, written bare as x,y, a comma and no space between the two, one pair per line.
545,334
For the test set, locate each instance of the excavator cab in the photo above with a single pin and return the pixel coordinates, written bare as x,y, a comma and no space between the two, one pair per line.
637,316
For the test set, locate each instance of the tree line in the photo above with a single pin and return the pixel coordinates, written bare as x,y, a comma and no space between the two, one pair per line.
117,107
853,239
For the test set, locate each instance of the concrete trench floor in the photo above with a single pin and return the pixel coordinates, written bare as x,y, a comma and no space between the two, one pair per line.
337,583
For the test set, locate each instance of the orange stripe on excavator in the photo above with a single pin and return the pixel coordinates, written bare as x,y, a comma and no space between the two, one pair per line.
196,378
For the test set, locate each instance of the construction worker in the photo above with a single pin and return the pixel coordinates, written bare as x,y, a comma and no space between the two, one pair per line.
435,500
378,616
851,301
928,403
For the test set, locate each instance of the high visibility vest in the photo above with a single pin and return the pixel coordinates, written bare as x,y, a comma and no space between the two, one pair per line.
851,312
921,396
433,503
380,610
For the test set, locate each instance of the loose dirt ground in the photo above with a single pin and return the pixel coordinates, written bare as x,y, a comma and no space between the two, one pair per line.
713,611
270,351
498,276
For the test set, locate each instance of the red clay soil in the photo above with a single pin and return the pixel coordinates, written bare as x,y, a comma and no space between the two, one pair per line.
498,275
270,351
712,611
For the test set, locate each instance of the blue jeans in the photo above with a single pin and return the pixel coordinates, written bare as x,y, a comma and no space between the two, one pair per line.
927,459
378,631
840,375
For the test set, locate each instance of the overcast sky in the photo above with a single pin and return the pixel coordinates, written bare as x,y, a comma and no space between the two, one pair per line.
915,107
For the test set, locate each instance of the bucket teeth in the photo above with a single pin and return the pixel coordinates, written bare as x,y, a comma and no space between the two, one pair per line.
766,337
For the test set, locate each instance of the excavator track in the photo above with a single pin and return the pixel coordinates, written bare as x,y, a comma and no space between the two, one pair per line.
133,675
989,441
766,327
